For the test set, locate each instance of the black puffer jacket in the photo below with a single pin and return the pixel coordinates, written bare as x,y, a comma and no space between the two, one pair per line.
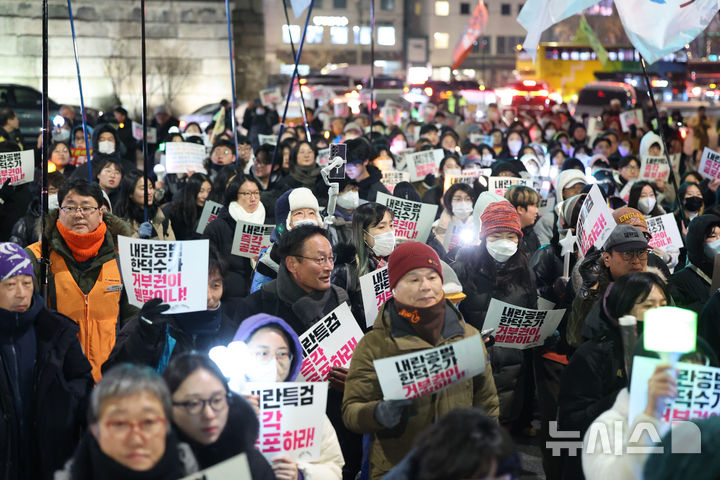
690,287
237,279
480,285
369,188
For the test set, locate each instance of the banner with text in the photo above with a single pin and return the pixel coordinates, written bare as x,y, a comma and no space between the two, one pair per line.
654,168
250,239
413,220
375,290
420,164
518,327
19,167
500,185
78,156
271,96
137,132
631,117
390,178
664,232
595,222
177,272
710,164
209,213
267,139
182,157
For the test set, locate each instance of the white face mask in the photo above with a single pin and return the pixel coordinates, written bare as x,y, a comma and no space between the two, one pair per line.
106,146
262,372
349,200
462,210
711,249
53,202
384,243
383,164
452,171
623,151
549,134
646,204
487,159
514,146
501,250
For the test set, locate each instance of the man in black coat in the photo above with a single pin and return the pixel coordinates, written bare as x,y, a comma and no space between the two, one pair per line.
45,379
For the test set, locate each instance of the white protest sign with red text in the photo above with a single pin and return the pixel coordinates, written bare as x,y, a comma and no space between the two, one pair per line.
209,213
177,272
664,232
78,156
137,132
236,467
413,220
500,185
375,289
631,117
654,168
270,96
710,164
420,164
423,372
181,157
291,418
329,343
250,239
518,327
595,223
19,167
390,178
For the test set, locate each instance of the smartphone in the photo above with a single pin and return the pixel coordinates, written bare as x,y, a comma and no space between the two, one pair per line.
487,332
338,150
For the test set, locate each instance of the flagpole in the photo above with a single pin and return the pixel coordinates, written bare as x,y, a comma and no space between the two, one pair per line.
232,80
82,99
144,110
662,136
302,98
372,63
44,241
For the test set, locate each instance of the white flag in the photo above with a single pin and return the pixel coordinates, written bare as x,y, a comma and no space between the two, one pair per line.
298,6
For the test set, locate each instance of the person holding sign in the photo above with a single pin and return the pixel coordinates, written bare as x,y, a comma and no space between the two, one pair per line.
643,197
130,207
185,212
368,177
418,317
216,423
85,282
459,201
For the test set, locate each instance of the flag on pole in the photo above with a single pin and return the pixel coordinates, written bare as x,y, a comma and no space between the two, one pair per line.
471,34
586,35
219,126
298,6
659,27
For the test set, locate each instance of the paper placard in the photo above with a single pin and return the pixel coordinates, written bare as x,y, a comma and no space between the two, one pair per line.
426,112
546,205
428,371
631,117
459,234
291,418
413,220
209,213
518,327
177,272
390,178
19,167
654,168
181,157
236,467
329,343
420,164
250,239
375,290
709,164
267,139
323,157
271,96
500,185
697,385
664,232
137,132
450,179
78,156
595,223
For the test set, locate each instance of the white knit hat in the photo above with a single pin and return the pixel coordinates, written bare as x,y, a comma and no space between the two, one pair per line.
302,198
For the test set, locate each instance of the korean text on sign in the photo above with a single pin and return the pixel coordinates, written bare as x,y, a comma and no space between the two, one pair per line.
19,167
520,328
664,231
412,220
709,164
500,185
78,156
698,390
375,290
595,222
209,213
250,239
176,272
182,157
291,418
426,371
420,164
654,168
329,343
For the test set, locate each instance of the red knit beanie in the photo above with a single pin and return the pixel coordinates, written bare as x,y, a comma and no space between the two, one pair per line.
409,256
500,217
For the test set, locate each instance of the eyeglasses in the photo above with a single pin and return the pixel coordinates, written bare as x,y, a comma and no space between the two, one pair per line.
632,167
263,355
82,210
321,260
640,254
249,194
218,403
147,427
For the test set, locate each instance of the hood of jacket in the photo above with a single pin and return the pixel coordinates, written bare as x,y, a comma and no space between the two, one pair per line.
254,323
90,130
695,242
375,177
648,139
105,127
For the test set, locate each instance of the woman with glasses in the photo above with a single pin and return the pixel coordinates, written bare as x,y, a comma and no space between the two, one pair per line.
271,341
242,204
108,175
216,423
130,436
458,202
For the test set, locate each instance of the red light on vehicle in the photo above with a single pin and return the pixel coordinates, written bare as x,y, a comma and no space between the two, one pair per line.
683,132
601,94
529,83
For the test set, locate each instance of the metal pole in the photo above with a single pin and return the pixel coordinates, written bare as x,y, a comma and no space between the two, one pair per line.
232,80
302,98
144,110
372,63
44,242
82,99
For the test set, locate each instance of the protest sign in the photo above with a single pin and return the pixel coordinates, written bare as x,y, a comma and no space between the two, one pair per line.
250,239
631,117
177,272
664,232
500,185
181,157
698,390
270,96
450,179
413,220
546,205
137,132
291,418
19,167
709,164
459,233
427,371
426,112
595,222
654,168
420,164
236,467
209,213
78,156
675,162
477,172
518,327
329,343
375,290
390,178
267,139
323,157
